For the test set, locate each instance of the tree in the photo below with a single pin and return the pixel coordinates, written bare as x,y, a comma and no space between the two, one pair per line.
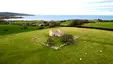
67,38
78,22
53,24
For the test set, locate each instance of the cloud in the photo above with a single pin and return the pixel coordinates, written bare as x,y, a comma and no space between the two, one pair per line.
103,1
102,6
58,7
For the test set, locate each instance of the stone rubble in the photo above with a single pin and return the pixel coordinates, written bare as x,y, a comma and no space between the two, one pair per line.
51,33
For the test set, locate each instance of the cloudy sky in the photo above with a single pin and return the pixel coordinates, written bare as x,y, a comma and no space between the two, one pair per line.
58,7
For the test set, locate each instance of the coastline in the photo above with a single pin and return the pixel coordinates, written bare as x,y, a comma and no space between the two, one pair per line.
65,17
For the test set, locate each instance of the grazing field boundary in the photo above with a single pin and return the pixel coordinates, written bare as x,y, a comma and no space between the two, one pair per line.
109,29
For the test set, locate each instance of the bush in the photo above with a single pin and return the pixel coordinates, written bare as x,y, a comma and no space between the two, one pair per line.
32,24
41,26
67,38
25,27
53,24
100,20
63,21
46,23
78,22
92,21
50,41
5,30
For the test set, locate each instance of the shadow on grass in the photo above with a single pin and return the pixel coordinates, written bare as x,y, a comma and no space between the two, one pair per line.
13,29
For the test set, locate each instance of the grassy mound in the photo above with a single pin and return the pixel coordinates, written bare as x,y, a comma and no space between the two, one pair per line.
94,47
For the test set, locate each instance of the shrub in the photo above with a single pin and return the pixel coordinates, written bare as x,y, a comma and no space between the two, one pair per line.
5,30
50,41
25,27
78,22
63,21
53,24
27,24
67,38
32,24
41,26
92,21
20,24
46,23
100,20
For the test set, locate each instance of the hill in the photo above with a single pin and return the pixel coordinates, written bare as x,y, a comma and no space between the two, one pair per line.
13,14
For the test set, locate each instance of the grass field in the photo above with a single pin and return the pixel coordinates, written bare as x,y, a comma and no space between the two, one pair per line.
13,29
22,22
66,23
19,48
100,24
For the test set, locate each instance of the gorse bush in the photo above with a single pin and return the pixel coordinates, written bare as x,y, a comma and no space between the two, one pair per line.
67,38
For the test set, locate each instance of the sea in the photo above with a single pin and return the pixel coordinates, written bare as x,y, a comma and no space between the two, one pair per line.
65,17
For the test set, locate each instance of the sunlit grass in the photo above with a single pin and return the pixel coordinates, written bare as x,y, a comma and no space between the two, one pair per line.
100,24
19,48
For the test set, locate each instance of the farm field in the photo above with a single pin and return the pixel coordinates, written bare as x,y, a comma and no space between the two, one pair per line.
17,47
100,24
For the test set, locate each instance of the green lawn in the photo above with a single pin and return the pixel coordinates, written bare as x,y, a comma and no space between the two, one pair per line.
19,48
100,24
